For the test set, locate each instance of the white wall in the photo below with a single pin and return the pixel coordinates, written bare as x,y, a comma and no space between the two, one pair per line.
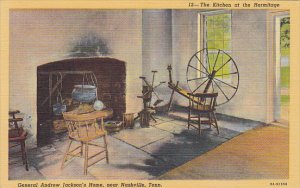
249,45
39,37
185,42
157,47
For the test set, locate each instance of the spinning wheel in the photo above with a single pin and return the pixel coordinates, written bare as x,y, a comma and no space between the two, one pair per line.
149,109
213,70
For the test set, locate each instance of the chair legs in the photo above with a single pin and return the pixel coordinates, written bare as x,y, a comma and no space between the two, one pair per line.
212,120
24,155
216,122
199,125
189,119
106,151
23,152
66,154
84,154
81,149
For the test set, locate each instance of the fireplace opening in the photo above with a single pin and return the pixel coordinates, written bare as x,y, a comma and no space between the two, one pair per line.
56,81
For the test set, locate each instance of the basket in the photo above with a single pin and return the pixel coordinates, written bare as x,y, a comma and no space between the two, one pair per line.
113,126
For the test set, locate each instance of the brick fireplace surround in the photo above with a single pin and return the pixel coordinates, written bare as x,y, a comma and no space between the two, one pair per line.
111,87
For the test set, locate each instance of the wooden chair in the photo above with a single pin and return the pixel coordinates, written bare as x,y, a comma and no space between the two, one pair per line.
202,105
85,129
17,137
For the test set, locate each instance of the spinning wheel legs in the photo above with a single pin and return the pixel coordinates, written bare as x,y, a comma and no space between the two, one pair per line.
145,117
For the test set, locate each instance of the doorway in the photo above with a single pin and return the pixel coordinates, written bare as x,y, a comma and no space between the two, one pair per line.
282,75
278,74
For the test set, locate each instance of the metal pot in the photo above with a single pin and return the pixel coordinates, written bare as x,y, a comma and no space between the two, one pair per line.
84,93
59,108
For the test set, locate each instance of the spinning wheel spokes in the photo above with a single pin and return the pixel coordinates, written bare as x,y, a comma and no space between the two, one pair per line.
196,79
221,91
213,70
200,86
198,70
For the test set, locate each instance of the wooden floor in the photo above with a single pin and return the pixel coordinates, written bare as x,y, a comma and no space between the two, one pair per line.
261,153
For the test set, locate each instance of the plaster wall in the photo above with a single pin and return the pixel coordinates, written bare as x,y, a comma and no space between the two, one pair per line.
39,37
157,48
185,42
249,46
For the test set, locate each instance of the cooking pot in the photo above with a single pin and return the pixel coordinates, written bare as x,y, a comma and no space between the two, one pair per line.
84,93
59,108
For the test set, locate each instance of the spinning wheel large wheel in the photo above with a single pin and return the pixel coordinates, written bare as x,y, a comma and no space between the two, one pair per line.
213,70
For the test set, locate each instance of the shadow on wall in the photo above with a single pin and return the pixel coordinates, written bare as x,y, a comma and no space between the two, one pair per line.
89,45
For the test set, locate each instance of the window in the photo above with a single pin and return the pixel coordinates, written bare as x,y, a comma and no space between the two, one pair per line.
217,36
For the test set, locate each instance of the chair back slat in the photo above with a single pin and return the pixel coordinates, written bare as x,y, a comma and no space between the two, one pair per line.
82,125
202,101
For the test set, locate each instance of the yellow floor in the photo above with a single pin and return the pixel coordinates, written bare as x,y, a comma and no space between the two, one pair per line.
261,153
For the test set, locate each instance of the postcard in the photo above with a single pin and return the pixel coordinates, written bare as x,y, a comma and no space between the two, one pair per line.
149,93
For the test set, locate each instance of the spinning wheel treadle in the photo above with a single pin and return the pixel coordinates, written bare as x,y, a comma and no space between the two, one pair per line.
213,70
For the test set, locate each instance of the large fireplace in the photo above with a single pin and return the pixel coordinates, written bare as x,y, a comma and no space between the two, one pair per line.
108,74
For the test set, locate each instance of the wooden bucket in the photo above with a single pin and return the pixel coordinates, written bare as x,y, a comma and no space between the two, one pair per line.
145,118
128,120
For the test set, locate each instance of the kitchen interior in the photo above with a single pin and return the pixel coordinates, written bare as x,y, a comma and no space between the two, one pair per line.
135,73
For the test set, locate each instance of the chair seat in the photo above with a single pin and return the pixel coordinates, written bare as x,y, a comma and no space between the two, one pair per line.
204,108
86,136
17,135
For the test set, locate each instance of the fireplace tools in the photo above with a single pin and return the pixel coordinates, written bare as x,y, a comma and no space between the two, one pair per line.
147,92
